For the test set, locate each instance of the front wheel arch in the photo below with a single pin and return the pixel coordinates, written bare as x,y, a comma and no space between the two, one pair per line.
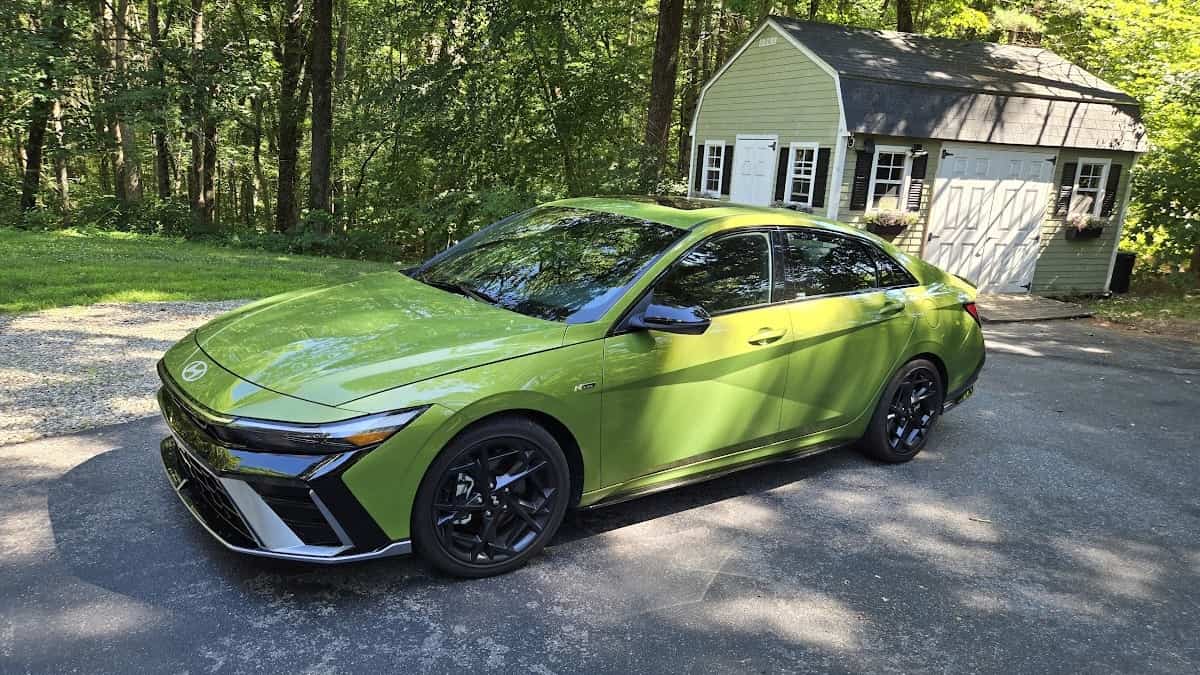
560,432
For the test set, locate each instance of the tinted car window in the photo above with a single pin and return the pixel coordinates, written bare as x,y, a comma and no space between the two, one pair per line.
820,264
891,273
554,263
723,274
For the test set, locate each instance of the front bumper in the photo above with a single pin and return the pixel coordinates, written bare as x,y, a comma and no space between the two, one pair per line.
290,507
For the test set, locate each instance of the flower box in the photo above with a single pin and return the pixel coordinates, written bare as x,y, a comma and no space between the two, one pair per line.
1074,233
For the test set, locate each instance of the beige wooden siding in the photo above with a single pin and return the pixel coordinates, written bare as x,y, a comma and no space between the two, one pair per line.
1079,266
1063,267
770,89
910,239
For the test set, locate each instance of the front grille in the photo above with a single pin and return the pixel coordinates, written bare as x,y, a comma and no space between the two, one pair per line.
214,504
295,507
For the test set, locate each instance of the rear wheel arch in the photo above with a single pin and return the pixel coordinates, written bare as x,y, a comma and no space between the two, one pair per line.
936,360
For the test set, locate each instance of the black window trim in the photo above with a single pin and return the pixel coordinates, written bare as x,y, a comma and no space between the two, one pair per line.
778,245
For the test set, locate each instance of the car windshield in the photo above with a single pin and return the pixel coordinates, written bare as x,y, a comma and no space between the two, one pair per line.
555,263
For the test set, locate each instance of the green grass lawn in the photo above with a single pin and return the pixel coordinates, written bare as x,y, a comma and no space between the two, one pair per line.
53,269
1167,306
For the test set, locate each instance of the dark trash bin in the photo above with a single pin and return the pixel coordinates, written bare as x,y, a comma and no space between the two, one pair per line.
1121,272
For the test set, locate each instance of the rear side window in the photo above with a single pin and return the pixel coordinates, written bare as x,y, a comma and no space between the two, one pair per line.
824,264
891,273
721,275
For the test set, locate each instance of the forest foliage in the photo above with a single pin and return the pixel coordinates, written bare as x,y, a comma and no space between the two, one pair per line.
388,128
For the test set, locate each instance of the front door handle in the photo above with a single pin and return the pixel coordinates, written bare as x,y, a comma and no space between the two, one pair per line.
891,308
766,336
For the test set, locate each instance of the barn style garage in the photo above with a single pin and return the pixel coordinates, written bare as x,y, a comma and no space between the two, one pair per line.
1005,164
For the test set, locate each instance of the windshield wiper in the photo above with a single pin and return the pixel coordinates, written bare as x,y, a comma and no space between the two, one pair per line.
459,288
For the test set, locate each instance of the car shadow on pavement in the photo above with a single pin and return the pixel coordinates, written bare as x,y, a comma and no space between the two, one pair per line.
118,528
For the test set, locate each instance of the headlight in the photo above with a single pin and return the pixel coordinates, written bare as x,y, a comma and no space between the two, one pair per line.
353,434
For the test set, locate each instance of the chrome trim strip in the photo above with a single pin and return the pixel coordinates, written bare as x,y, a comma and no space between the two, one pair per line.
333,522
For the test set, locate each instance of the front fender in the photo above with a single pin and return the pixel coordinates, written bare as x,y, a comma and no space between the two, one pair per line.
552,383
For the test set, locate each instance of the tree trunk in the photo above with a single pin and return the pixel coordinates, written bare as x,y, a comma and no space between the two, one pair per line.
813,7
199,180
209,171
662,89
129,170
56,34
339,78
321,65
38,117
290,112
162,146
904,16
62,180
1196,262
687,108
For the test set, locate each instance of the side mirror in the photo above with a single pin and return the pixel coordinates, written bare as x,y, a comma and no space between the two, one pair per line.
670,319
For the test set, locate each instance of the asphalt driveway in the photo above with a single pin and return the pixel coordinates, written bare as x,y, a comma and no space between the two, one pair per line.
1054,526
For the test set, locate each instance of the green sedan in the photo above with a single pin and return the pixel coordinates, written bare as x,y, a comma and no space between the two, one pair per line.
578,354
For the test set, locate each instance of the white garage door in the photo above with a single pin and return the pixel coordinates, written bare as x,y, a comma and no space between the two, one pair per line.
986,215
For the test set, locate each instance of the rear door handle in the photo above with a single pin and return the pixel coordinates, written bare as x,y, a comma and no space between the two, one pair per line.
891,308
766,336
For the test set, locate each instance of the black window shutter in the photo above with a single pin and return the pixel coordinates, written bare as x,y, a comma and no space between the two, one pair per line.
1066,184
781,173
822,177
916,182
699,177
862,181
727,170
1110,190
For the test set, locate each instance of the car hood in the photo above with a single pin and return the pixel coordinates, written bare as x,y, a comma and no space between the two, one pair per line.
334,345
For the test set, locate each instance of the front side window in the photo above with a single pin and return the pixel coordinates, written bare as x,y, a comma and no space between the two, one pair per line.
714,163
1089,187
554,263
721,275
802,176
826,264
888,175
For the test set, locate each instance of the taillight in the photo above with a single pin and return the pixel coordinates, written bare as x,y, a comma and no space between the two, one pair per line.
972,310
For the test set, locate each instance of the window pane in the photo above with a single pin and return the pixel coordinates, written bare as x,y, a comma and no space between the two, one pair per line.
725,274
819,264
887,196
554,263
892,273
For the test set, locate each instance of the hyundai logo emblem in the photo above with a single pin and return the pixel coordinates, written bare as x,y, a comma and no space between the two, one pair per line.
194,371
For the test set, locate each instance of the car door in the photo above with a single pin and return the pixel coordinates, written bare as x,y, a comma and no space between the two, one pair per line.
672,399
850,327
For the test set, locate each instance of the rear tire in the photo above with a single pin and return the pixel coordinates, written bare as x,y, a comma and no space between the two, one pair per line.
491,499
906,413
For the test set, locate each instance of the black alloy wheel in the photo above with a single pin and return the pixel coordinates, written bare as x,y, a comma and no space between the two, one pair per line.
906,413
492,499
915,406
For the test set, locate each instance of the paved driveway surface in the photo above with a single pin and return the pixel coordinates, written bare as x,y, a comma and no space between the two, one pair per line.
1054,526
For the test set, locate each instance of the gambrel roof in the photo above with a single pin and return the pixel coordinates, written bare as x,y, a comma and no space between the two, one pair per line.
902,84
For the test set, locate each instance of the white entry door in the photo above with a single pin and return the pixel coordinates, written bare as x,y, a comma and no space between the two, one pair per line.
753,170
986,216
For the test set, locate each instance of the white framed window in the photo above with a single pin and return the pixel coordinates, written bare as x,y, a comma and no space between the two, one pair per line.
802,174
889,178
714,166
1091,179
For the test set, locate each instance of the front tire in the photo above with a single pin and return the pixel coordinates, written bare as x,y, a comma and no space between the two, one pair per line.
906,414
491,499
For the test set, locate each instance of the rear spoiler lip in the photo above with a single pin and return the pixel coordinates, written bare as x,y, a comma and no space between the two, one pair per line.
970,283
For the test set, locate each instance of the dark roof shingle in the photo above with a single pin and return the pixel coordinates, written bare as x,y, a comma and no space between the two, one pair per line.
913,85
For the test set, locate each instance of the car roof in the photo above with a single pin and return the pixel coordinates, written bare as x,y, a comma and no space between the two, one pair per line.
708,215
